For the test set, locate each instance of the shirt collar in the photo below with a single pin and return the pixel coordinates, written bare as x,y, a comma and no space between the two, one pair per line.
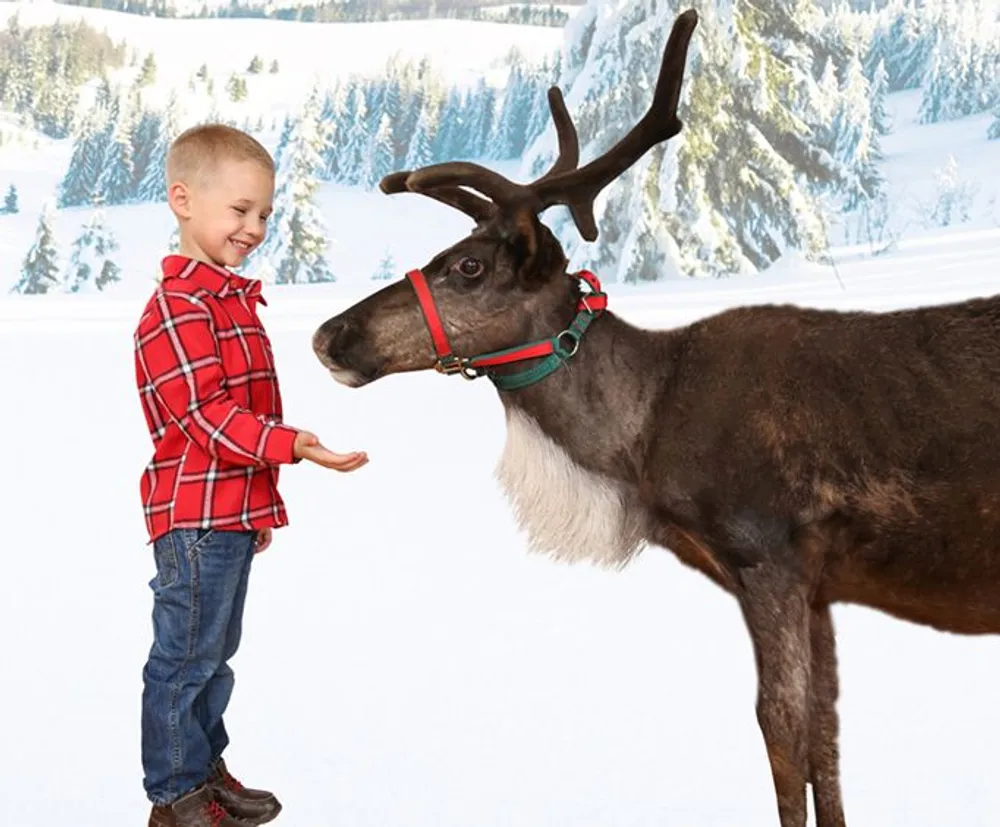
217,280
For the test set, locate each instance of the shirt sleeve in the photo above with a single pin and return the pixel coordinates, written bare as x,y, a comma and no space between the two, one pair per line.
179,355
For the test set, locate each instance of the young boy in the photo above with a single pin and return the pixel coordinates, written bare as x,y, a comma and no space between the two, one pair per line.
209,393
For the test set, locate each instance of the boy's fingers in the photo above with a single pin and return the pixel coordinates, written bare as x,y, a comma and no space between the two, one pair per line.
341,462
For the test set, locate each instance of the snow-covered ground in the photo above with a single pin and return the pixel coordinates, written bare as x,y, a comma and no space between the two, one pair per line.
405,661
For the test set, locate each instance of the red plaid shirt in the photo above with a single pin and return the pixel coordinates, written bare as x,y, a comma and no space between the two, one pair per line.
209,392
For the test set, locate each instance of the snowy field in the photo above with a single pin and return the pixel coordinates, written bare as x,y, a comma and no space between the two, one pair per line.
405,661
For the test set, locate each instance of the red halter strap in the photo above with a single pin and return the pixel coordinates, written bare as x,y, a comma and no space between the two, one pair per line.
588,307
441,346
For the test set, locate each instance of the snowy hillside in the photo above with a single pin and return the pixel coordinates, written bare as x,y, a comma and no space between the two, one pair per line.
364,226
193,73
306,52
892,143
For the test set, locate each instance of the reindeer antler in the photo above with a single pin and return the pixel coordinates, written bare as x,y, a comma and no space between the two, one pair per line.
563,183
475,206
578,188
444,181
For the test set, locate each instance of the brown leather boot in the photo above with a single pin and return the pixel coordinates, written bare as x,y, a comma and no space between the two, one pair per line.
197,808
250,806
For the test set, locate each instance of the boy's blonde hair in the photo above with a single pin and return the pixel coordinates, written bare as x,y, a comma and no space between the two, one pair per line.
197,152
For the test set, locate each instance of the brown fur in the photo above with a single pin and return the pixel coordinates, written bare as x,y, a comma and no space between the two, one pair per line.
797,457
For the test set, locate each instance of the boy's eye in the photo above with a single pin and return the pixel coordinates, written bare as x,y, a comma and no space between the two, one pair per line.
240,210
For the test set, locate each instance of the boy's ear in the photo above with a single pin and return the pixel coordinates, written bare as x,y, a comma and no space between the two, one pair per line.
179,199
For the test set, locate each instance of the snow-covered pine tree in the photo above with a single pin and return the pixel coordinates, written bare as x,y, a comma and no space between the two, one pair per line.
480,119
80,183
144,140
91,267
964,64
539,117
903,38
390,111
503,141
739,186
993,131
295,249
236,87
380,156
286,133
354,149
415,100
40,267
447,144
116,183
386,270
857,148
332,126
152,186
10,201
420,152
954,196
147,74
881,122
103,96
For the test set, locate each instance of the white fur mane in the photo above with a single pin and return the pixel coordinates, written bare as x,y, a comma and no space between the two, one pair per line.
569,512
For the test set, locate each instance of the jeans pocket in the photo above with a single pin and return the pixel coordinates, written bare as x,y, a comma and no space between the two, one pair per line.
198,539
165,555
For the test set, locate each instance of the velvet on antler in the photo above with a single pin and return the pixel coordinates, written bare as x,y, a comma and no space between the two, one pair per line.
563,183
478,208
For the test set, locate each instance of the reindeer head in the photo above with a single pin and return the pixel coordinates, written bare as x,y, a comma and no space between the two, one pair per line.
507,278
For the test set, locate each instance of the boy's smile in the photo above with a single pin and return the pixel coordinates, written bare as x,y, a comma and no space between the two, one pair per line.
223,212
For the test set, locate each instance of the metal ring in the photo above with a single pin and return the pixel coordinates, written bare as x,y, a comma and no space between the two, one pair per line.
468,372
574,336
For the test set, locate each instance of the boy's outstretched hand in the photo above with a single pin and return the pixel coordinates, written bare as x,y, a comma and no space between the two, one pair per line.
307,446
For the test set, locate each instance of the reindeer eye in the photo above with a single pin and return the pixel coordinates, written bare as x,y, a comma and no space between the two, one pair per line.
470,267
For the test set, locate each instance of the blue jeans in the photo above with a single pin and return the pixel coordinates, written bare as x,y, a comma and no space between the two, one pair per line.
198,595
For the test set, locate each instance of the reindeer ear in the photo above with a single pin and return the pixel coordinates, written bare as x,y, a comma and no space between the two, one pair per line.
535,258
525,226
524,239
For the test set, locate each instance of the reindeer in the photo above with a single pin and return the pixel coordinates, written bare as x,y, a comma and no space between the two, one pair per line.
796,457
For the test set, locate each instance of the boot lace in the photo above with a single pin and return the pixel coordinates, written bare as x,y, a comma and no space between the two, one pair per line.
231,782
215,812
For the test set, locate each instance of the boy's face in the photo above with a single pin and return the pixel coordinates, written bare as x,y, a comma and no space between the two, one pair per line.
223,214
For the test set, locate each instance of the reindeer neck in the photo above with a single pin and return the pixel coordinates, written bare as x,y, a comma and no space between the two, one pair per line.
597,406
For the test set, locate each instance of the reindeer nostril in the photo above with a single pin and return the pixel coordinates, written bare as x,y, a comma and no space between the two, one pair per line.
328,334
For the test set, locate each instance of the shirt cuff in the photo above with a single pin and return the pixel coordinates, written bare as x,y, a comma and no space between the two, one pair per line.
280,445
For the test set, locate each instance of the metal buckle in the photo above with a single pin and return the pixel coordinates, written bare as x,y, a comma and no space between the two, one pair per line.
572,335
455,364
448,364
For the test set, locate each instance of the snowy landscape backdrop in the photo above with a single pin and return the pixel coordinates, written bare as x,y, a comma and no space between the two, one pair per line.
405,661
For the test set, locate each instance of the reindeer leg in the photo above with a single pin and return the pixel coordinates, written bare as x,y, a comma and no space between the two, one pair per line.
824,769
776,608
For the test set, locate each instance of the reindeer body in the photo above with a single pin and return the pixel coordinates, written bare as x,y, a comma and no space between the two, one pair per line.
799,458
845,446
